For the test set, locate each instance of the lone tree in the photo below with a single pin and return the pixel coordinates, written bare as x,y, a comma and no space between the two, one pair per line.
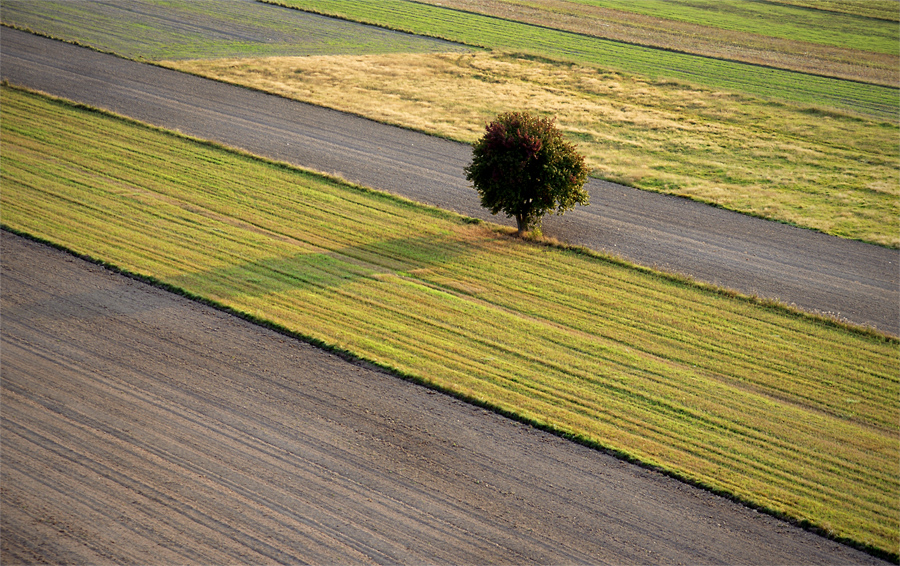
523,167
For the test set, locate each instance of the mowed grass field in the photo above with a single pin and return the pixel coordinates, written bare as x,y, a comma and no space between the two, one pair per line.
790,413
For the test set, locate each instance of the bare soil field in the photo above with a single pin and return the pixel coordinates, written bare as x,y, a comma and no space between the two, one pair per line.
141,427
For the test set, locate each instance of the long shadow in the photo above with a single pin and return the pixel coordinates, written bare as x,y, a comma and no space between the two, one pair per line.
322,270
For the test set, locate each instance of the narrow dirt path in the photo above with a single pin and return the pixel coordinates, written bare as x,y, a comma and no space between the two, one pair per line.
139,427
819,273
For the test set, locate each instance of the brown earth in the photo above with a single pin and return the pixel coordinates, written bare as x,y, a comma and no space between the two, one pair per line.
139,427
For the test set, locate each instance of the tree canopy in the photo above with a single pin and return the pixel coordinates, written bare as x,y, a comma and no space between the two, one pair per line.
523,167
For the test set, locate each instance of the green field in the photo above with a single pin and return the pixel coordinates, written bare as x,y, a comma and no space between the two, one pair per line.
794,414
774,20
508,35
882,9
770,34
160,29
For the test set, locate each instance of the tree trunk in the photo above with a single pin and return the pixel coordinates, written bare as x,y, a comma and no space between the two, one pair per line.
523,227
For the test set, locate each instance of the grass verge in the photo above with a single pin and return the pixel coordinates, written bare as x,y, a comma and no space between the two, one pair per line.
793,414
820,170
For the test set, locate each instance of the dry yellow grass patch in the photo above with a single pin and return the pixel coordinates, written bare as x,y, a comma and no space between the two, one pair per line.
829,172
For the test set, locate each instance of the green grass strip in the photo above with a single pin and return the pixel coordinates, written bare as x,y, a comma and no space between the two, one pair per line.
880,9
772,19
793,414
506,35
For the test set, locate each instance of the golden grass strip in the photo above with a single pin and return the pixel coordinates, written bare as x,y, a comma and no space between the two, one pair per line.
791,413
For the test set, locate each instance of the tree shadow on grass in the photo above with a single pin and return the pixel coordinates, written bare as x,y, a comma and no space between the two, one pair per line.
323,270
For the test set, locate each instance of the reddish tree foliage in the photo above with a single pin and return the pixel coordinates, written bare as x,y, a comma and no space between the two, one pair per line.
524,168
